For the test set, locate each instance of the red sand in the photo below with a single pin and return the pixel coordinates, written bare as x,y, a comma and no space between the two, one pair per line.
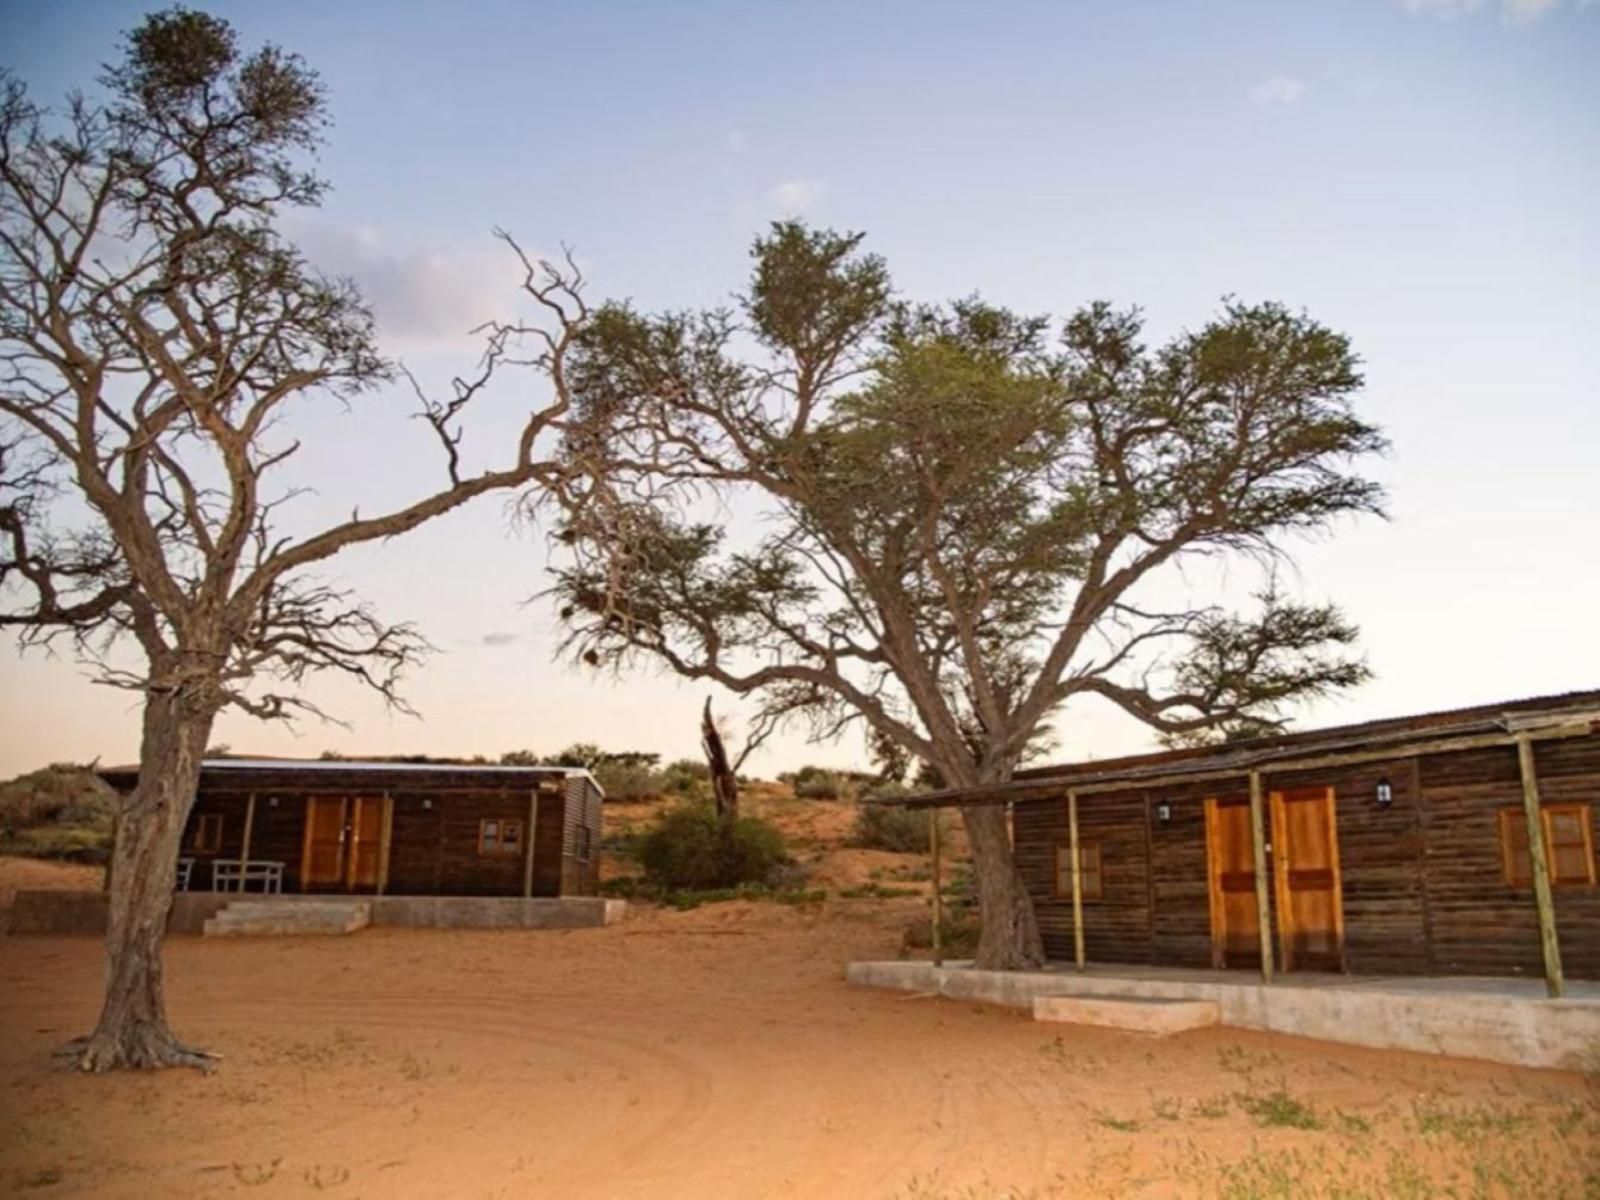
717,1053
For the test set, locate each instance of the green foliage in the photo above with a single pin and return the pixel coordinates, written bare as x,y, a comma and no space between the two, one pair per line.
827,783
688,850
61,811
1280,1109
888,827
687,777
627,781
819,785
873,890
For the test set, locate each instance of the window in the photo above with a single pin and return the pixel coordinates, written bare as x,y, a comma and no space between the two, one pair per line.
207,838
1089,869
581,845
497,836
1568,845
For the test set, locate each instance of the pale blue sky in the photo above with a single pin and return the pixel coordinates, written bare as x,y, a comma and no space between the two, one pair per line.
1423,174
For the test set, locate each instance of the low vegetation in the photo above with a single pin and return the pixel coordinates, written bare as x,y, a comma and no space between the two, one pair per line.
62,811
885,827
687,850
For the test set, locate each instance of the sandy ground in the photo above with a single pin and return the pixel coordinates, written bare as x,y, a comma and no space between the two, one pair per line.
715,1053
32,874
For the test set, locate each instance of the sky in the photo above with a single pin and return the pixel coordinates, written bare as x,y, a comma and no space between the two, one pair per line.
1423,175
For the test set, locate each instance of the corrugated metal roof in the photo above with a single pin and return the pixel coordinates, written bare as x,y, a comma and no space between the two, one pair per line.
1240,757
375,766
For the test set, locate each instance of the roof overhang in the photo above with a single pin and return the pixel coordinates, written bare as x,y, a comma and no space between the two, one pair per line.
214,767
1300,752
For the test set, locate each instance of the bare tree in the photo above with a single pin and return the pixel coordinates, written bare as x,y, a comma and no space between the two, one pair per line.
725,768
155,333
963,519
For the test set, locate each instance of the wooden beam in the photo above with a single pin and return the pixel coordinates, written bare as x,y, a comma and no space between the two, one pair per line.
528,843
385,841
1077,879
1024,791
937,935
1542,898
249,828
1258,837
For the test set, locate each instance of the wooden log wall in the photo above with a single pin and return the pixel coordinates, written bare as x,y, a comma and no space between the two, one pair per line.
433,842
1423,884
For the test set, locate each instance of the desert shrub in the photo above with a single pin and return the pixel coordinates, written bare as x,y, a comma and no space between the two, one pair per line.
958,935
58,812
74,843
817,783
625,780
57,795
686,850
882,827
687,777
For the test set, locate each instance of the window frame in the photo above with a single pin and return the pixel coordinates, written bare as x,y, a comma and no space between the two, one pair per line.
583,843
1511,817
204,822
500,846
1062,852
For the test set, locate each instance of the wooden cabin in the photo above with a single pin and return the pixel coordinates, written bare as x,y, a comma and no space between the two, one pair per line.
1396,847
389,828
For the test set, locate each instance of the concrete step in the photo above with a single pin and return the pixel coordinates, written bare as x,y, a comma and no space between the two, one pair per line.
261,918
1137,1014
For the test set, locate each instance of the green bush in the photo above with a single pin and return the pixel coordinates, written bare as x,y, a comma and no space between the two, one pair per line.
75,843
882,827
686,850
57,795
687,776
623,780
818,783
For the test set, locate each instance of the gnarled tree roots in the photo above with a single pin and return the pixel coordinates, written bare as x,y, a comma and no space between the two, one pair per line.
141,1047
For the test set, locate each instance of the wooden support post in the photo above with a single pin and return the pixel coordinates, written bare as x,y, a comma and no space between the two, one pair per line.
528,841
1543,900
1258,836
249,828
937,935
1077,879
385,843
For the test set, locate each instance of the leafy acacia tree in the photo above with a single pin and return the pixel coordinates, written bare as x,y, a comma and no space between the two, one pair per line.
964,519
156,332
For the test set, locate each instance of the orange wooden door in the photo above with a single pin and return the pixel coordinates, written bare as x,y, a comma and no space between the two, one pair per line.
1235,932
322,856
1305,846
365,857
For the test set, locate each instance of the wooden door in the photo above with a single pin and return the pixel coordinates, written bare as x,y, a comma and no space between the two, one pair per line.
368,826
322,856
1235,928
1305,845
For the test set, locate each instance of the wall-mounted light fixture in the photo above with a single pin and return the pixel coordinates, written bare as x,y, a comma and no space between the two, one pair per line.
272,802
1164,812
1385,792
427,805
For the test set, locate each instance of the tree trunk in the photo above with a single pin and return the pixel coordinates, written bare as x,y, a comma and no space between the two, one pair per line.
724,782
1009,938
132,1031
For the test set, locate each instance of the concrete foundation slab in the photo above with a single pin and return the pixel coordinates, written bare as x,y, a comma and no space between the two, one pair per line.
1502,1020
87,912
1136,1014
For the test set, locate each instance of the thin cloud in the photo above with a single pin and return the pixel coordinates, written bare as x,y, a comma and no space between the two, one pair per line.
794,196
1280,89
421,295
737,141
1512,12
